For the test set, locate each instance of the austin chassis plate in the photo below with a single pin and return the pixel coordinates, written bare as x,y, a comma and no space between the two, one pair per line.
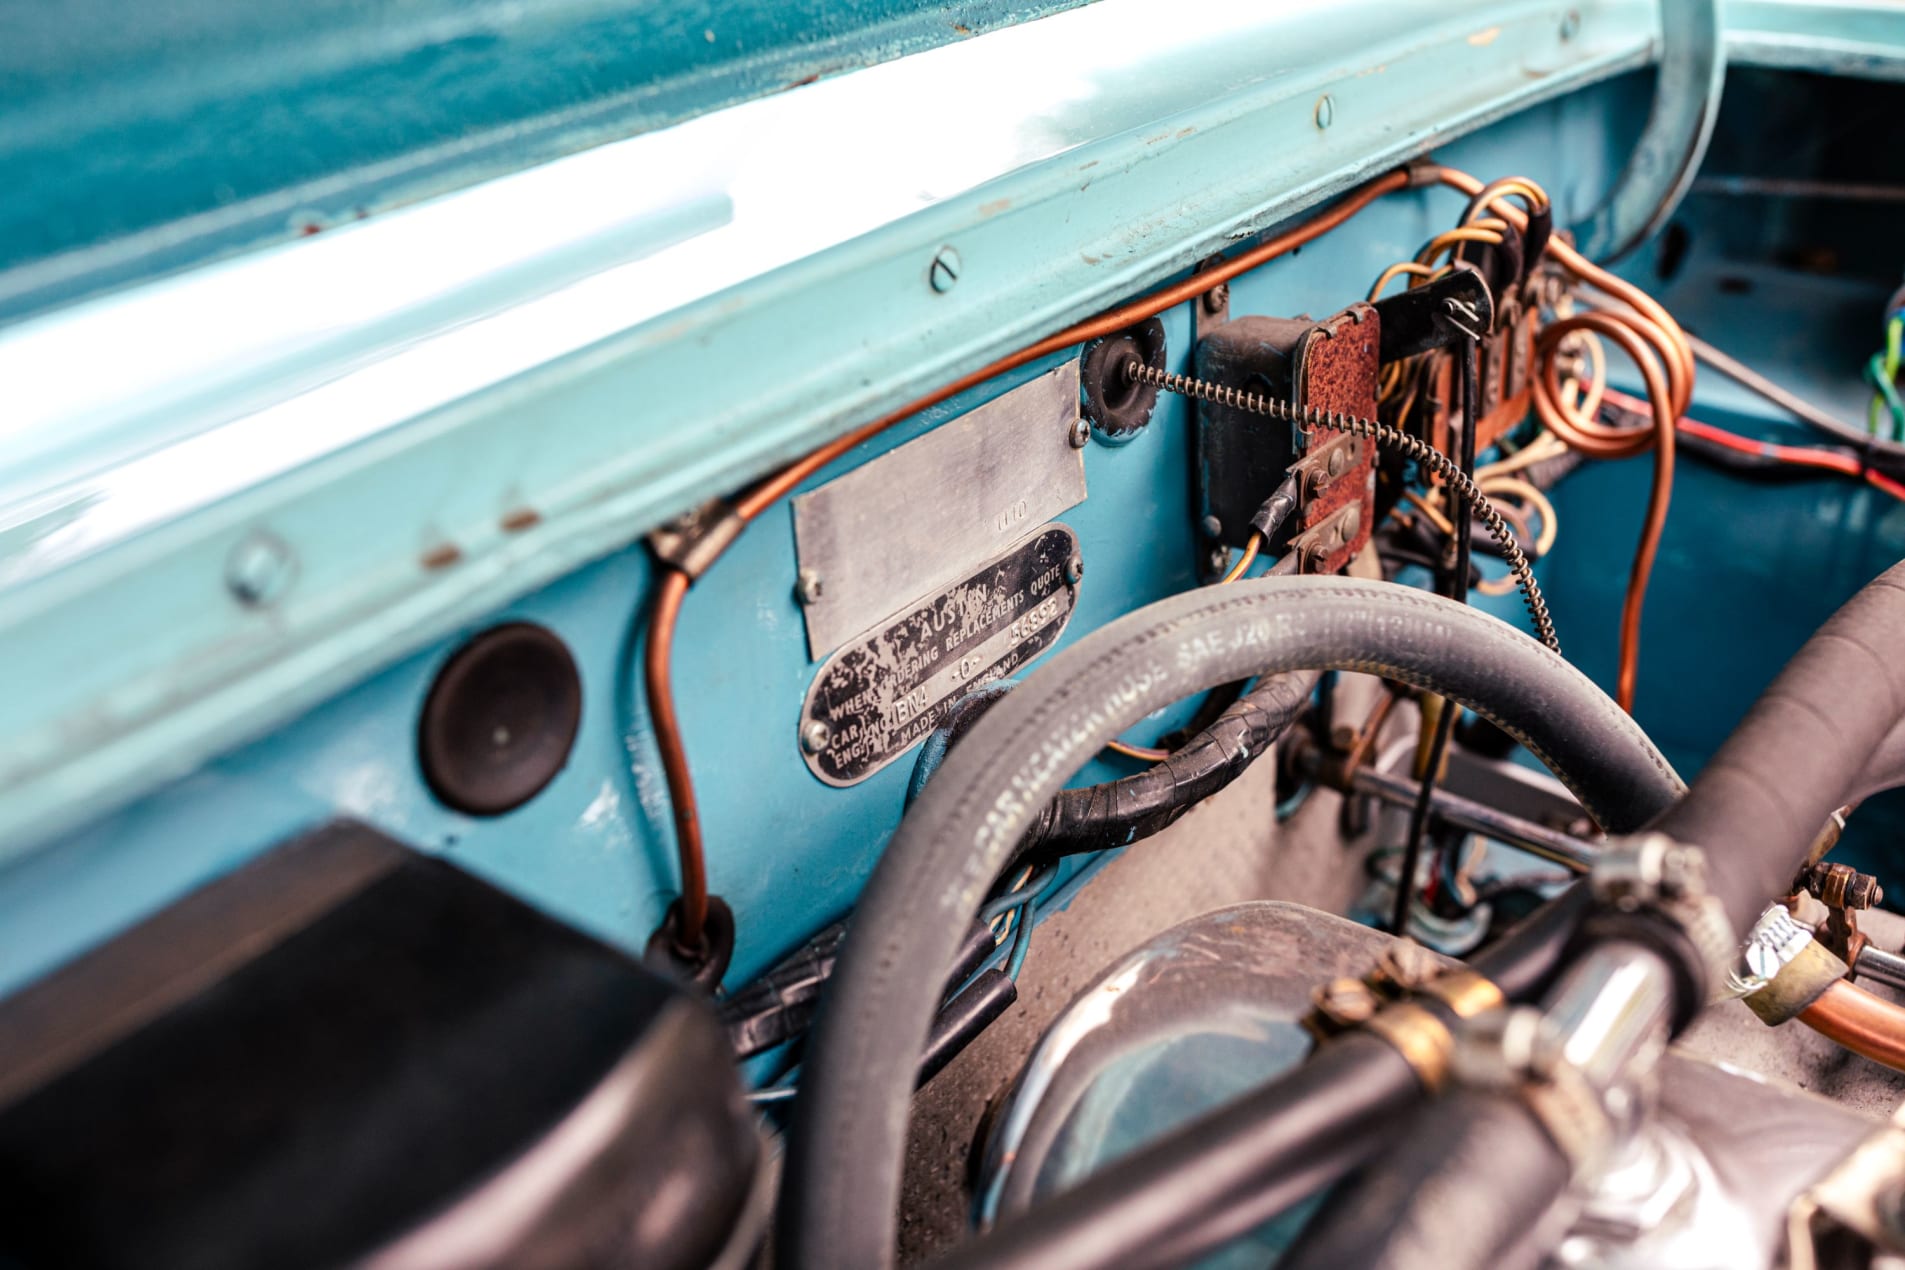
887,689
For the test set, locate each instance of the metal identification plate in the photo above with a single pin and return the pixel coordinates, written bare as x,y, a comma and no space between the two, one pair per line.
882,693
922,515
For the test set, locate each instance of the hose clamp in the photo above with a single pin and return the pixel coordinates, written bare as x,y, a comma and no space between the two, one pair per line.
1651,873
1513,1052
1423,1040
1380,1004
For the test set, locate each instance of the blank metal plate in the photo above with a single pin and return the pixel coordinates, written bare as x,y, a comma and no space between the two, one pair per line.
920,517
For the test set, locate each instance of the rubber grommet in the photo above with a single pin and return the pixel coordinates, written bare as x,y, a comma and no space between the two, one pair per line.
500,719
701,966
1117,408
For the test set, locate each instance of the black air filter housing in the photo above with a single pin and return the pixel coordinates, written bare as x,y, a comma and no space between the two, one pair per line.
349,1051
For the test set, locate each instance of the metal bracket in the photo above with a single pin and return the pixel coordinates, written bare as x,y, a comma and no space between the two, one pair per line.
1329,535
693,541
1212,307
1440,314
1671,146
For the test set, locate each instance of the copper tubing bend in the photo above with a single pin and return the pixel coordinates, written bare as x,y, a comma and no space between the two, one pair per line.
1650,336
1865,1024
1597,440
665,612
669,593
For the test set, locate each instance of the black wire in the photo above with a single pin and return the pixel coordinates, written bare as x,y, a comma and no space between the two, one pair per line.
1455,586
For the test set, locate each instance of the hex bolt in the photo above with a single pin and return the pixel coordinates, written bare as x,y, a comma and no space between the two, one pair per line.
1345,1001
259,568
809,588
1079,432
1217,299
1325,111
1408,964
945,271
815,736
1074,569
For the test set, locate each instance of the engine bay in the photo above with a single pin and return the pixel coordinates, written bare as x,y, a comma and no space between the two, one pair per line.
679,703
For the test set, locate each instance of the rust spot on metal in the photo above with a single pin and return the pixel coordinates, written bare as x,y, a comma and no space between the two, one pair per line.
996,206
441,556
520,519
961,28
1185,132
1482,39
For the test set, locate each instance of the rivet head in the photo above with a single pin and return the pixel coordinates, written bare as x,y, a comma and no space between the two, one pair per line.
809,588
945,271
1212,527
1325,111
1079,432
815,736
259,569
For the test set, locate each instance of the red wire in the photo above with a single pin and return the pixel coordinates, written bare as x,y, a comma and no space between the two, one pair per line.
1795,455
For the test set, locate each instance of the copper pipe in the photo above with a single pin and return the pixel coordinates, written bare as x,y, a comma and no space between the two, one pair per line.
1867,1025
669,593
1599,441
757,499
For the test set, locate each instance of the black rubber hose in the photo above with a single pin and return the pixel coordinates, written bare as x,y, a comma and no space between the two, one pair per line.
1118,813
1522,961
1216,1178
1426,1205
1800,752
840,1199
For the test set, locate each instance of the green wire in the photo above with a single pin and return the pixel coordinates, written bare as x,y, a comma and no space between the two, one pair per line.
1882,371
1887,395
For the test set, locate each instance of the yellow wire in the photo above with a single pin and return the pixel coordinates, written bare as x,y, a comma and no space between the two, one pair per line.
1144,752
1532,495
1448,238
1540,450
1532,194
1251,548
1435,516
1397,270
